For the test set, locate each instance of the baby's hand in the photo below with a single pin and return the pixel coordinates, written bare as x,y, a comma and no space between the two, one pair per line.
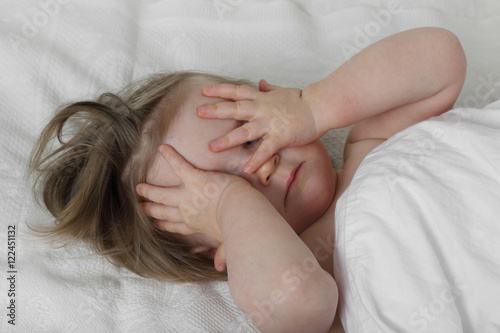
189,208
277,115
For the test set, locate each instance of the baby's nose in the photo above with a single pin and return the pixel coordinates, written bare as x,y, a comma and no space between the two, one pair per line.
265,172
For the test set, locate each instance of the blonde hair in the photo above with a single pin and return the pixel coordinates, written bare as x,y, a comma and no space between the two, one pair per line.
88,179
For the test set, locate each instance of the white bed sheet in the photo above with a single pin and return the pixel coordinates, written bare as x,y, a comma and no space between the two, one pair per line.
57,51
417,230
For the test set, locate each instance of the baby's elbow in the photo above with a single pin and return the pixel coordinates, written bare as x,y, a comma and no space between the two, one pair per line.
450,63
320,307
311,307
452,54
458,57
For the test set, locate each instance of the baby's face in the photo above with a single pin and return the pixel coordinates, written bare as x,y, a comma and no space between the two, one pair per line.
301,205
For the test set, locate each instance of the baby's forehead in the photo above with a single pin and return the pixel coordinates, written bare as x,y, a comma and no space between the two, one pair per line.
188,127
190,136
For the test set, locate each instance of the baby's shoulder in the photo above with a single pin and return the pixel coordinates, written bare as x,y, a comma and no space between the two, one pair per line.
354,154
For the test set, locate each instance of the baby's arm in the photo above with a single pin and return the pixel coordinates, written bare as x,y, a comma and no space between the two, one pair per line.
392,84
273,276
388,86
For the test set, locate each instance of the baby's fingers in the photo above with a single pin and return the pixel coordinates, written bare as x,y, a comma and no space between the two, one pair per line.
161,212
241,135
230,91
174,227
220,258
182,168
169,196
265,86
266,150
227,110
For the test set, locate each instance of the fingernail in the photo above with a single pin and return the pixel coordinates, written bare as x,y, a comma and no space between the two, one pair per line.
221,267
202,109
247,169
138,190
214,145
161,148
205,88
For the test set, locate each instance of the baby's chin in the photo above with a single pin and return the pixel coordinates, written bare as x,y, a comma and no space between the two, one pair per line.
300,222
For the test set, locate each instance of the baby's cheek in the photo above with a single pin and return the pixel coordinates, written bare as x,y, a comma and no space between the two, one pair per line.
318,196
234,167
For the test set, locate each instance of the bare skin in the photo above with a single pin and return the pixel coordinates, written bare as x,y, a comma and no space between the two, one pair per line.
279,268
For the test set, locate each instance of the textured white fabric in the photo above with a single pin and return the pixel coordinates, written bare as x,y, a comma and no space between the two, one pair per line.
417,231
57,51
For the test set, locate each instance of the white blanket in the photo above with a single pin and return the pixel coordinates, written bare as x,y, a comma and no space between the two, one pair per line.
417,231
57,51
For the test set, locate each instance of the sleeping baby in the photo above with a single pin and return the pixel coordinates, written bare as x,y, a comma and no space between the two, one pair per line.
196,177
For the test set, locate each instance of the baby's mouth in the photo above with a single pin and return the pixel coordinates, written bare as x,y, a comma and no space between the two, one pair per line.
292,179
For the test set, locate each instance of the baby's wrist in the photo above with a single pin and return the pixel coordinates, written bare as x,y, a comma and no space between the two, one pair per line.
313,110
329,108
236,198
